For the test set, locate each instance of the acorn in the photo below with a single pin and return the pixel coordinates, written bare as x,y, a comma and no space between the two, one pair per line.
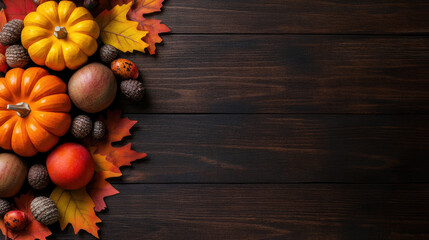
11,32
90,4
44,210
99,130
38,177
81,126
4,207
17,56
15,220
133,90
108,53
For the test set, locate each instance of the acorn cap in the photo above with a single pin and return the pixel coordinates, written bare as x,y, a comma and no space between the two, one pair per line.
133,90
38,177
44,210
99,130
108,53
4,207
81,126
11,32
17,56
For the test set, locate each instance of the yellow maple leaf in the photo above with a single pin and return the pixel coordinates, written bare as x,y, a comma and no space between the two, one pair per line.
119,32
77,208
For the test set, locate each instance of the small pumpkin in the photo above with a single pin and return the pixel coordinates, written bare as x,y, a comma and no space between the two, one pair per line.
60,35
34,110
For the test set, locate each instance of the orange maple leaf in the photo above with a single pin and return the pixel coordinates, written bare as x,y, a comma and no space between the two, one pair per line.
34,229
154,28
99,188
109,159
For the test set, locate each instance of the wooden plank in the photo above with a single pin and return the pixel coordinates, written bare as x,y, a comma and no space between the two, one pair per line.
285,74
296,16
243,148
171,211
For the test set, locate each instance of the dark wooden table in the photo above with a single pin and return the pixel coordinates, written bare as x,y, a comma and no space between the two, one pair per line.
280,119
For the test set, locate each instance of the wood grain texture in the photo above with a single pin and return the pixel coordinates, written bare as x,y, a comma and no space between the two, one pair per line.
285,74
297,16
243,148
313,211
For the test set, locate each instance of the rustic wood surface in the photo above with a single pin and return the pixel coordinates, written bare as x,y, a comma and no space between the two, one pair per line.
280,119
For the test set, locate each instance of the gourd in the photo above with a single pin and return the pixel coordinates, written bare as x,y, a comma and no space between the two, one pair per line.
34,110
60,35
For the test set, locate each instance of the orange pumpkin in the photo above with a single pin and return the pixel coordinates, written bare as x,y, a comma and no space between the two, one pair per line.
34,110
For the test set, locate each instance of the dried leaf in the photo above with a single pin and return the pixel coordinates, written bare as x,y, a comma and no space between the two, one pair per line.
122,156
154,28
109,159
141,6
34,229
101,163
19,9
77,208
148,6
117,127
117,31
99,188
3,21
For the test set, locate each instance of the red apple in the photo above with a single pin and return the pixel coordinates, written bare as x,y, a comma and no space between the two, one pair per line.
92,88
70,166
13,173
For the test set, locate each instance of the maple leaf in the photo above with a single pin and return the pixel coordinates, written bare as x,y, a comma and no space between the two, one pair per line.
99,188
122,156
153,26
34,229
101,163
119,32
117,129
109,159
19,9
77,208
3,21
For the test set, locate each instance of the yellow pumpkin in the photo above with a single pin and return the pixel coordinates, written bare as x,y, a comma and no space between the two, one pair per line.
60,35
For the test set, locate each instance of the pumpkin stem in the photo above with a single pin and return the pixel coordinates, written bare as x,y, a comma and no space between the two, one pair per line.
22,109
60,32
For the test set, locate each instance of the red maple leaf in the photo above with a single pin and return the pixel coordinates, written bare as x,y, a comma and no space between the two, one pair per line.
109,159
18,9
3,21
34,229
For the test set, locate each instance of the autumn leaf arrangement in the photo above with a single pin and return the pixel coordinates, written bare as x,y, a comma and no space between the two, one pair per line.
64,122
